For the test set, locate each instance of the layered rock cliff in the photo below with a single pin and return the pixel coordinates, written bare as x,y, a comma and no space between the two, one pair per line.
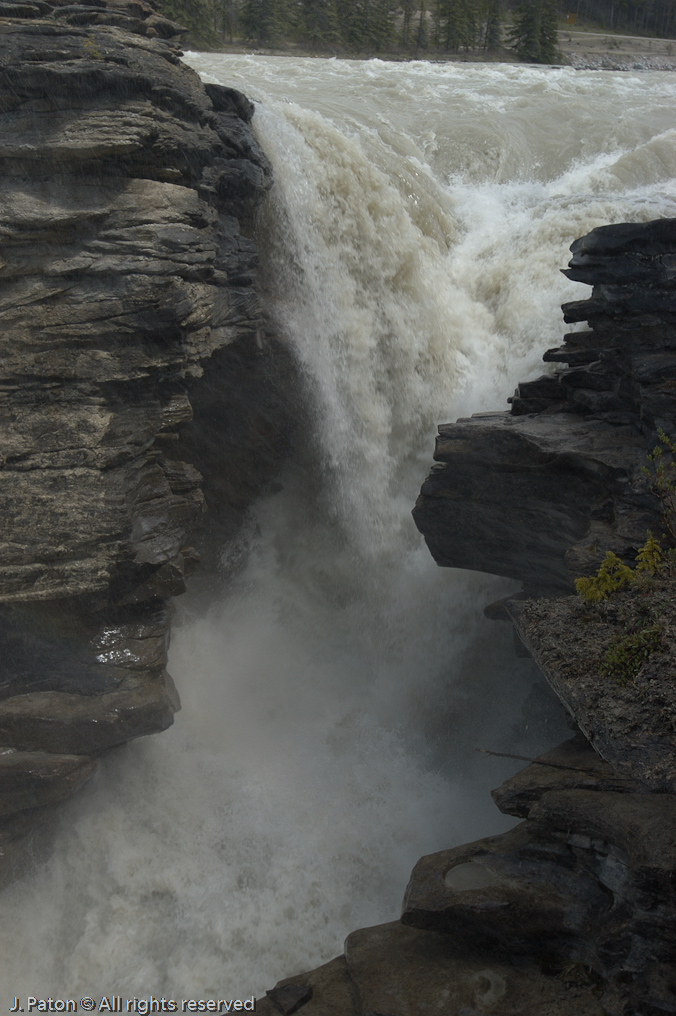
127,298
541,492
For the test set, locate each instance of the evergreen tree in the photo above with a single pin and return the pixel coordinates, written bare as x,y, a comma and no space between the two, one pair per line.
317,23
413,24
533,34
265,21
408,9
226,19
549,32
493,27
196,15
421,34
365,25
456,23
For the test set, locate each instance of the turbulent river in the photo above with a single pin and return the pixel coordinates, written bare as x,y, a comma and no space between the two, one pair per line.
335,692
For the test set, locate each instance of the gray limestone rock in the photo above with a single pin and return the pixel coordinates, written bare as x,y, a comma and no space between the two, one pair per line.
573,765
290,997
66,723
393,970
587,880
104,142
125,191
507,895
511,495
332,992
36,779
541,493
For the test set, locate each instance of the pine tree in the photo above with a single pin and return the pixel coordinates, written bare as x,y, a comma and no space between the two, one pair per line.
549,33
421,33
195,15
408,9
533,34
413,24
226,19
456,23
493,28
317,23
365,25
265,21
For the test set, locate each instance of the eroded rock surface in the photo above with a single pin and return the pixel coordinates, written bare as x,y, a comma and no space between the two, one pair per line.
568,914
123,270
588,878
512,495
127,297
393,970
540,493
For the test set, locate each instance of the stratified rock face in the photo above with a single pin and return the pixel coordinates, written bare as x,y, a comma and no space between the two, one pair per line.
512,495
539,494
126,290
123,270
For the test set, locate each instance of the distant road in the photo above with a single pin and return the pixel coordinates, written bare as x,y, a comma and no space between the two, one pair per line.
612,35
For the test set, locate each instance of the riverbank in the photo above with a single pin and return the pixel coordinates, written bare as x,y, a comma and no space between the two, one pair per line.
581,49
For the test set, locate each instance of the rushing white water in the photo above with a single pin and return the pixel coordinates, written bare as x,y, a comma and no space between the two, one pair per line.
334,695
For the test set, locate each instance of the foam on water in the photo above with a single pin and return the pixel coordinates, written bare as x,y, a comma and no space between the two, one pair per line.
333,695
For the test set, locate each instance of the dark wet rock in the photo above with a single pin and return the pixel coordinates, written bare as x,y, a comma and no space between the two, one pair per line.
89,724
333,992
36,779
127,297
521,491
573,765
407,972
570,912
393,970
289,998
229,100
541,493
505,894
587,880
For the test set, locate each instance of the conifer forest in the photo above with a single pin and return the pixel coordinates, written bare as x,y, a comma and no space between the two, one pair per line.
413,27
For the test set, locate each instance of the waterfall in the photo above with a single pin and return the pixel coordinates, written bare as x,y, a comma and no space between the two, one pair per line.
334,693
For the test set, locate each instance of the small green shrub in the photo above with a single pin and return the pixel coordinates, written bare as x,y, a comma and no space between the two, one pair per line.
626,654
612,576
91,50
649,557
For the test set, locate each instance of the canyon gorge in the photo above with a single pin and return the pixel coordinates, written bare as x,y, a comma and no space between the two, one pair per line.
162,380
